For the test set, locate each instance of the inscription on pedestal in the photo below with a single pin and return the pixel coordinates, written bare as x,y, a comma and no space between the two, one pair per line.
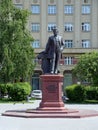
51,88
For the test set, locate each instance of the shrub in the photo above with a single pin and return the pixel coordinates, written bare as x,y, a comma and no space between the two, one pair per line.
3,90
8,86
75,93
19,91
91,93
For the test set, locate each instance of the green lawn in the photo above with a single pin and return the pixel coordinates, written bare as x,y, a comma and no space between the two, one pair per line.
84,102
6,100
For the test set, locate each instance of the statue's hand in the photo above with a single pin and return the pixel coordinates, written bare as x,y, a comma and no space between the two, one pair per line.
61,49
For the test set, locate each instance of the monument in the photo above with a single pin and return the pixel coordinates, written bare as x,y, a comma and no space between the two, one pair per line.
51,104
51,80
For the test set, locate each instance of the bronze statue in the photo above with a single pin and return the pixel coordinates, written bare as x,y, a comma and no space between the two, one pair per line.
52,54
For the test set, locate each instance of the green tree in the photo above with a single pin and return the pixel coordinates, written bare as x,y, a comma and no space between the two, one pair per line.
16,52
87,68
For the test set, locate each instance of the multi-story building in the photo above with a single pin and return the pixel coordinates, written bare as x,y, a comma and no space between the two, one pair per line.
77,21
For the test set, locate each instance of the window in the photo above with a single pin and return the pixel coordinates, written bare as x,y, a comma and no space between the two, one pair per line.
50,26
68,43
35,9
35,27
51,9
36,44
86,9
85,26
68,60
85,43
85,1
19,6
68,27
68,9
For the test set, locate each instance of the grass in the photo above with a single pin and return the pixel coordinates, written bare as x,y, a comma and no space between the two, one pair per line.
7,100
83,102
91,101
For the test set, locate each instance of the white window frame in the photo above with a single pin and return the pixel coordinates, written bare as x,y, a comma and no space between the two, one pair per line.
35,9
50,26
68,27
52,9
35,27
85,43
86,27
86,9
68,60
68,43
68,9
36,44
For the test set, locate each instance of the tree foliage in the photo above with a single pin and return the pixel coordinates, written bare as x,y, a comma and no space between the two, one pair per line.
16,52
87,68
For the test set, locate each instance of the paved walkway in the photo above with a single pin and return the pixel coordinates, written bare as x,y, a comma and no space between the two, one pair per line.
14,123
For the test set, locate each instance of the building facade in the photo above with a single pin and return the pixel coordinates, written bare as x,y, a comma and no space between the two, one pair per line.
77,21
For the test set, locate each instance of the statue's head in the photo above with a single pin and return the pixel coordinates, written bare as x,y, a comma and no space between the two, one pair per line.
55,30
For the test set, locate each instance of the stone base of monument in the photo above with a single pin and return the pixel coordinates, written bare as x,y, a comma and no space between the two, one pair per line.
53,114
51,93
51,105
